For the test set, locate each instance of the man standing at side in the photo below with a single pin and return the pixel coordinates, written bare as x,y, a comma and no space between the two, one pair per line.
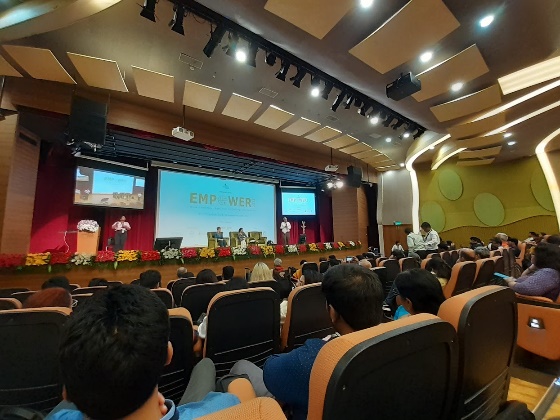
415,244
431,240
286,227
121,229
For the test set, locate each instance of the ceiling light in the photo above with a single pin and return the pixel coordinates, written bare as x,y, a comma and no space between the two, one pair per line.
427,56
506,135
215,38
176,23
281,75
241,56
406,134
486,21
298,77
231,47
530,76
366,3
330,184
432,147
149,10
511,143
374,120
401,165
337,101
315,92
339,184
456,87
270,59
388,139
327,90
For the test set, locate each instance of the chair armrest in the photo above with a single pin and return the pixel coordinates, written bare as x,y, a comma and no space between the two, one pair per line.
242,389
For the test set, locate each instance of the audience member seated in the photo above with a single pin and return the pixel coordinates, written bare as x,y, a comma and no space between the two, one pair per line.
475,242
298,272
542,278
323,267
397,247
150,279
418,292
278,265
135,344
442,247
553,239
206,276
333,260
494,244
450,245
354,298
261,272
227,272
96,282
513,243
310,277
365,263
415,244
481,253
440,269
322,259
466,254
397,255
49,298
503,238
57,281
183,273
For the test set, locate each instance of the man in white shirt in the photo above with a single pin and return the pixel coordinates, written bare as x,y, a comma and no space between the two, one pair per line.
431,240
121,229
285,227
415,244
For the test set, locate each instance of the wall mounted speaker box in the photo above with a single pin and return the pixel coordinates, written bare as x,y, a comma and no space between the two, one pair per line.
88,121
354,178
404,86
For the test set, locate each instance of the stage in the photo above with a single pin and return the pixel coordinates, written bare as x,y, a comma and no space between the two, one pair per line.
128,272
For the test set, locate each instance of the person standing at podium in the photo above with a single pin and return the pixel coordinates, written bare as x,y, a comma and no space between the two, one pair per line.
121,228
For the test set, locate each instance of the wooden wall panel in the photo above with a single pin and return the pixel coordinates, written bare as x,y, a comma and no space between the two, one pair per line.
350,214
391,234
8,129
363,219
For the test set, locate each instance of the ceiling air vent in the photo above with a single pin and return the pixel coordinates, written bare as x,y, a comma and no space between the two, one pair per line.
191,61
331,118
374,135
268,92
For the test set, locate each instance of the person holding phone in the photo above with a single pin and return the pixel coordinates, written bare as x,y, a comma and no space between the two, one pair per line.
121,228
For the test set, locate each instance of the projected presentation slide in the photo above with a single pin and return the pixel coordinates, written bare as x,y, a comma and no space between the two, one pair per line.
190,205
298,203
110,189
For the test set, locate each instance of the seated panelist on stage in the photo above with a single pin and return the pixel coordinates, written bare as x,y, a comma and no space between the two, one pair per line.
242,236
219,235
121,228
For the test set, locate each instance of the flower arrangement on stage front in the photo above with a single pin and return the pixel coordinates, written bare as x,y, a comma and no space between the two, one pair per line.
147,256
341,245
267,250
351,244
171,254
239,252
12,260
292,249
327,246
224,252
82,259
335,245
302,248
207,253
189,253
254,250
105,256
88,226
279,249
130,255
41,258
313,248
320,246
60,258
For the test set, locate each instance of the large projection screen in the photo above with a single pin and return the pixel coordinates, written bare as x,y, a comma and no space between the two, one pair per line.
190,205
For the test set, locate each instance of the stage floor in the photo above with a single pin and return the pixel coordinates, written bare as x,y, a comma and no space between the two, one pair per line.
82,275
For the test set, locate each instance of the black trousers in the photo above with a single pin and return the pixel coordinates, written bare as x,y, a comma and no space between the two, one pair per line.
120,239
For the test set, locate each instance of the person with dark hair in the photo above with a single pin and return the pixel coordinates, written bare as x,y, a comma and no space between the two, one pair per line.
333,260
495,244
227,272
96,282
206,276
513,243
466,254
129,326
310,277
354,299
397,247
442,247
553,239
419,292
323,267
431,237
322,259
475,242
57,281
242,238
49,298
397,255
150,279
219,235
298,272
542,278
440,269
236,283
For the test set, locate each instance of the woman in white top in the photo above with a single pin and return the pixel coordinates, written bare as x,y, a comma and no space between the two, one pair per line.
397,247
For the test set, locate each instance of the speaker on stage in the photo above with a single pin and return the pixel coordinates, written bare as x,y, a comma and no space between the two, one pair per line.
302,238
354,178
88,121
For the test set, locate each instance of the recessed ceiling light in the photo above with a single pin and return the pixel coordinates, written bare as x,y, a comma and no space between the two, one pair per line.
388,139
506,135
427,56
456,87
432,147
366,3
401,165
486,21
374,120
315,92
406,135
241,56
511,143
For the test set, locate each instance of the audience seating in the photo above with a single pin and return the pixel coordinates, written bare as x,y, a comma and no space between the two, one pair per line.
78,300
273,284
176,374
462,278
29,362
6,293
256,237
179,286
73,286
23,296
515,269
393,268
9,303
213,242
486,323
507,265
496,253
484,272
165,296
234,239
170,284
446,256
115,283
423,263
197,298
324,266
85,290
307,317
256,409
408,263
382,274
378,261
538,320
498,264
310,266
523,249
406,369
454,257
242,324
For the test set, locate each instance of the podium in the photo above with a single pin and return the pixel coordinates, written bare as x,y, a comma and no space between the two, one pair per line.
88,242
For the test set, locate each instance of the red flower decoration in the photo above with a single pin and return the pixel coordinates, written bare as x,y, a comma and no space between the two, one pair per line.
105,256
303,248
279,249
224,252
11,260
335,245
321,246
189,252
150,256
60,258
254,250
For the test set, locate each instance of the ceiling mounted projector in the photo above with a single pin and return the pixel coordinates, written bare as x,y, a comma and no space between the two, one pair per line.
182,133
404,86
331,168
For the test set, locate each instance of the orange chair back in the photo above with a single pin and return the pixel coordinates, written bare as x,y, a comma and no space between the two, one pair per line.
484,272
539,326
462,278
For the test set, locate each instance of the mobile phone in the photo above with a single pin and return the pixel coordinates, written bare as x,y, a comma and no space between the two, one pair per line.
500,275
349,259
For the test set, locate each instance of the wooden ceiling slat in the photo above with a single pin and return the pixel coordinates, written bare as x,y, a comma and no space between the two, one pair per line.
40,63
324,134
241,107
477,128
301,127
200,96
152,84
469,104
98,72
274,117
